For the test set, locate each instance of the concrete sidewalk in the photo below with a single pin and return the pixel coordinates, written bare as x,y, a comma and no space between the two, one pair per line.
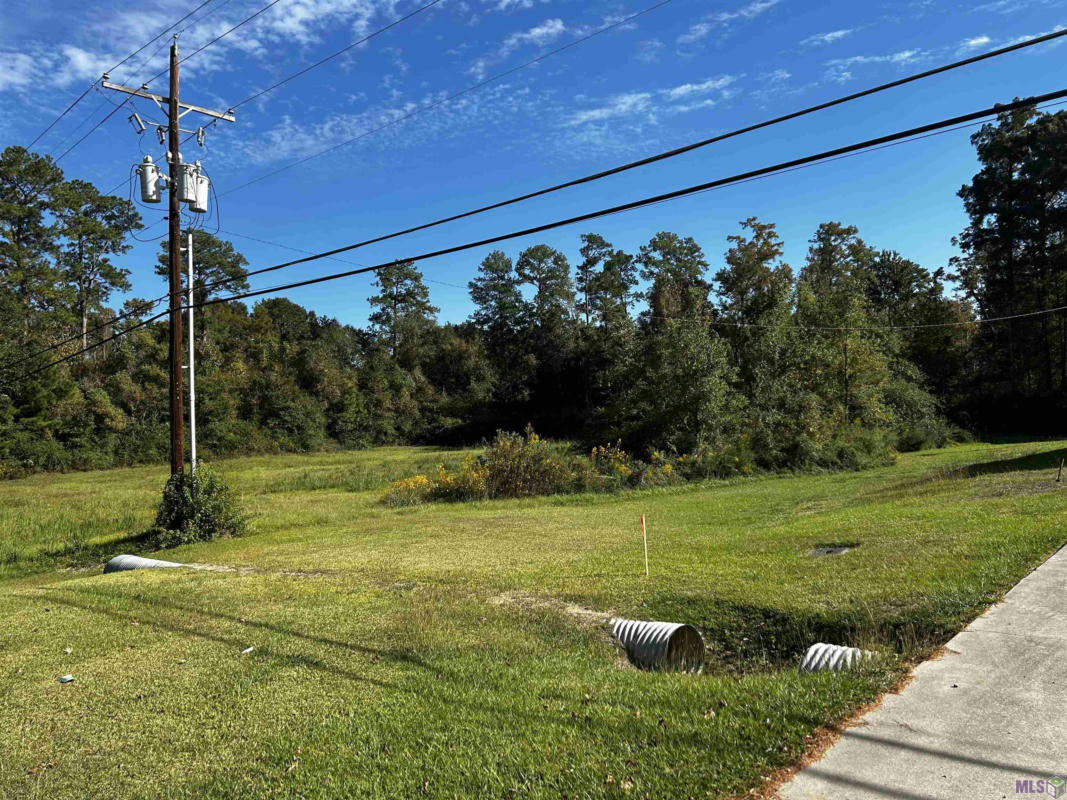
986,720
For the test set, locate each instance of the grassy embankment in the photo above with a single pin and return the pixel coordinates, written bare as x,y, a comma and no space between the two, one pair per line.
453,650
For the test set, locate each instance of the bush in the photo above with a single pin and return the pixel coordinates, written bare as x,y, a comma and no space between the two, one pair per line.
527,466
928,433
408,491
470,483
197,508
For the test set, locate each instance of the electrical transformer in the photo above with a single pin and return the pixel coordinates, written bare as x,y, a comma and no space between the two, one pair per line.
199,205
187,174
149,173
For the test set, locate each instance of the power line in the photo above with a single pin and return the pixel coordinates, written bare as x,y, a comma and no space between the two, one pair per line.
946,126
89,133
454,95
64,113
343,50
671,153
161,33
222,35
659,156
127,58
635,204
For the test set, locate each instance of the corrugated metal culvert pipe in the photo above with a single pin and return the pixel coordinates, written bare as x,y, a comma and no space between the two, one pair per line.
823,656
127,562
671,646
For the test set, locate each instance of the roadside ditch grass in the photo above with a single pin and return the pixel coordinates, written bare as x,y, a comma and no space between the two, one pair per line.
430,652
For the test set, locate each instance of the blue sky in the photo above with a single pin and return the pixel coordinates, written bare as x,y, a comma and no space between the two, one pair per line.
682,72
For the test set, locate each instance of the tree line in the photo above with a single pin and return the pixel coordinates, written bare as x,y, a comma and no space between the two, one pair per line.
830,363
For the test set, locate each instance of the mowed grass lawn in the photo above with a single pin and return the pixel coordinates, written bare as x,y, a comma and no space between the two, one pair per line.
452,651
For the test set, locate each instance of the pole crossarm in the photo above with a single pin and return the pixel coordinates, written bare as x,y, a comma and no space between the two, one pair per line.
163,100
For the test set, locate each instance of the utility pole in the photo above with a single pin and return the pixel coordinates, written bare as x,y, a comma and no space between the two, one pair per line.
185,184
174,261
192,362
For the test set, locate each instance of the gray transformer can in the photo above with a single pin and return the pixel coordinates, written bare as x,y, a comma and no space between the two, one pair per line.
187,182
149,173
203,185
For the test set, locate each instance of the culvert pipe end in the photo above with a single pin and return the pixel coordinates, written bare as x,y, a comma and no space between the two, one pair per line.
821,657
670,646
125,562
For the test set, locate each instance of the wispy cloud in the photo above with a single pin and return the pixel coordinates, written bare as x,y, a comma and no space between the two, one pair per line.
974,43
704,28
687,89
538,35
650,103
1013,6
839,70
621,105
821,39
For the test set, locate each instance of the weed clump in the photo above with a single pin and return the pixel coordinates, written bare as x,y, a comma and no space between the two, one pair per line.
197,507
525,465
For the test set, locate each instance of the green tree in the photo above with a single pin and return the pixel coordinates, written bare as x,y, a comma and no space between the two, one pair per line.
547,271
215,261
402,312
93,227
27,237
1013,263
846,363
674,267
755,293
678,393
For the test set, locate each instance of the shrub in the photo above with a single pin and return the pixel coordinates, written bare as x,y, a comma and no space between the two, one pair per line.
197,507
408,491
469,483
526,466
613,465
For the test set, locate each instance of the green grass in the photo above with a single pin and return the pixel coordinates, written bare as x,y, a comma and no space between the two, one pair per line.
431,651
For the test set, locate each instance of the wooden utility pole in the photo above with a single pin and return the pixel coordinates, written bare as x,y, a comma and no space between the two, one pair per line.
174,261
174,110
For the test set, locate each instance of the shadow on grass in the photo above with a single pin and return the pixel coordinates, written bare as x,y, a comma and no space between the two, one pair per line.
295,660
939,479
404,656
79,555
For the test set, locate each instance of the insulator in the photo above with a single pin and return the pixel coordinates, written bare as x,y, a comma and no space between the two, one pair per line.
149,173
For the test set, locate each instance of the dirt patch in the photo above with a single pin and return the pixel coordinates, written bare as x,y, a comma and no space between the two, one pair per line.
587,617
832,549
241,570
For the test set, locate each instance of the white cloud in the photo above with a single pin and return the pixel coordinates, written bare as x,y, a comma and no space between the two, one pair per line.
102,42
632,104
17,70
1028,37
700,30
687,89
1012,6
538,35
820,39
840,69
778,76
685,108
975,42
620,105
